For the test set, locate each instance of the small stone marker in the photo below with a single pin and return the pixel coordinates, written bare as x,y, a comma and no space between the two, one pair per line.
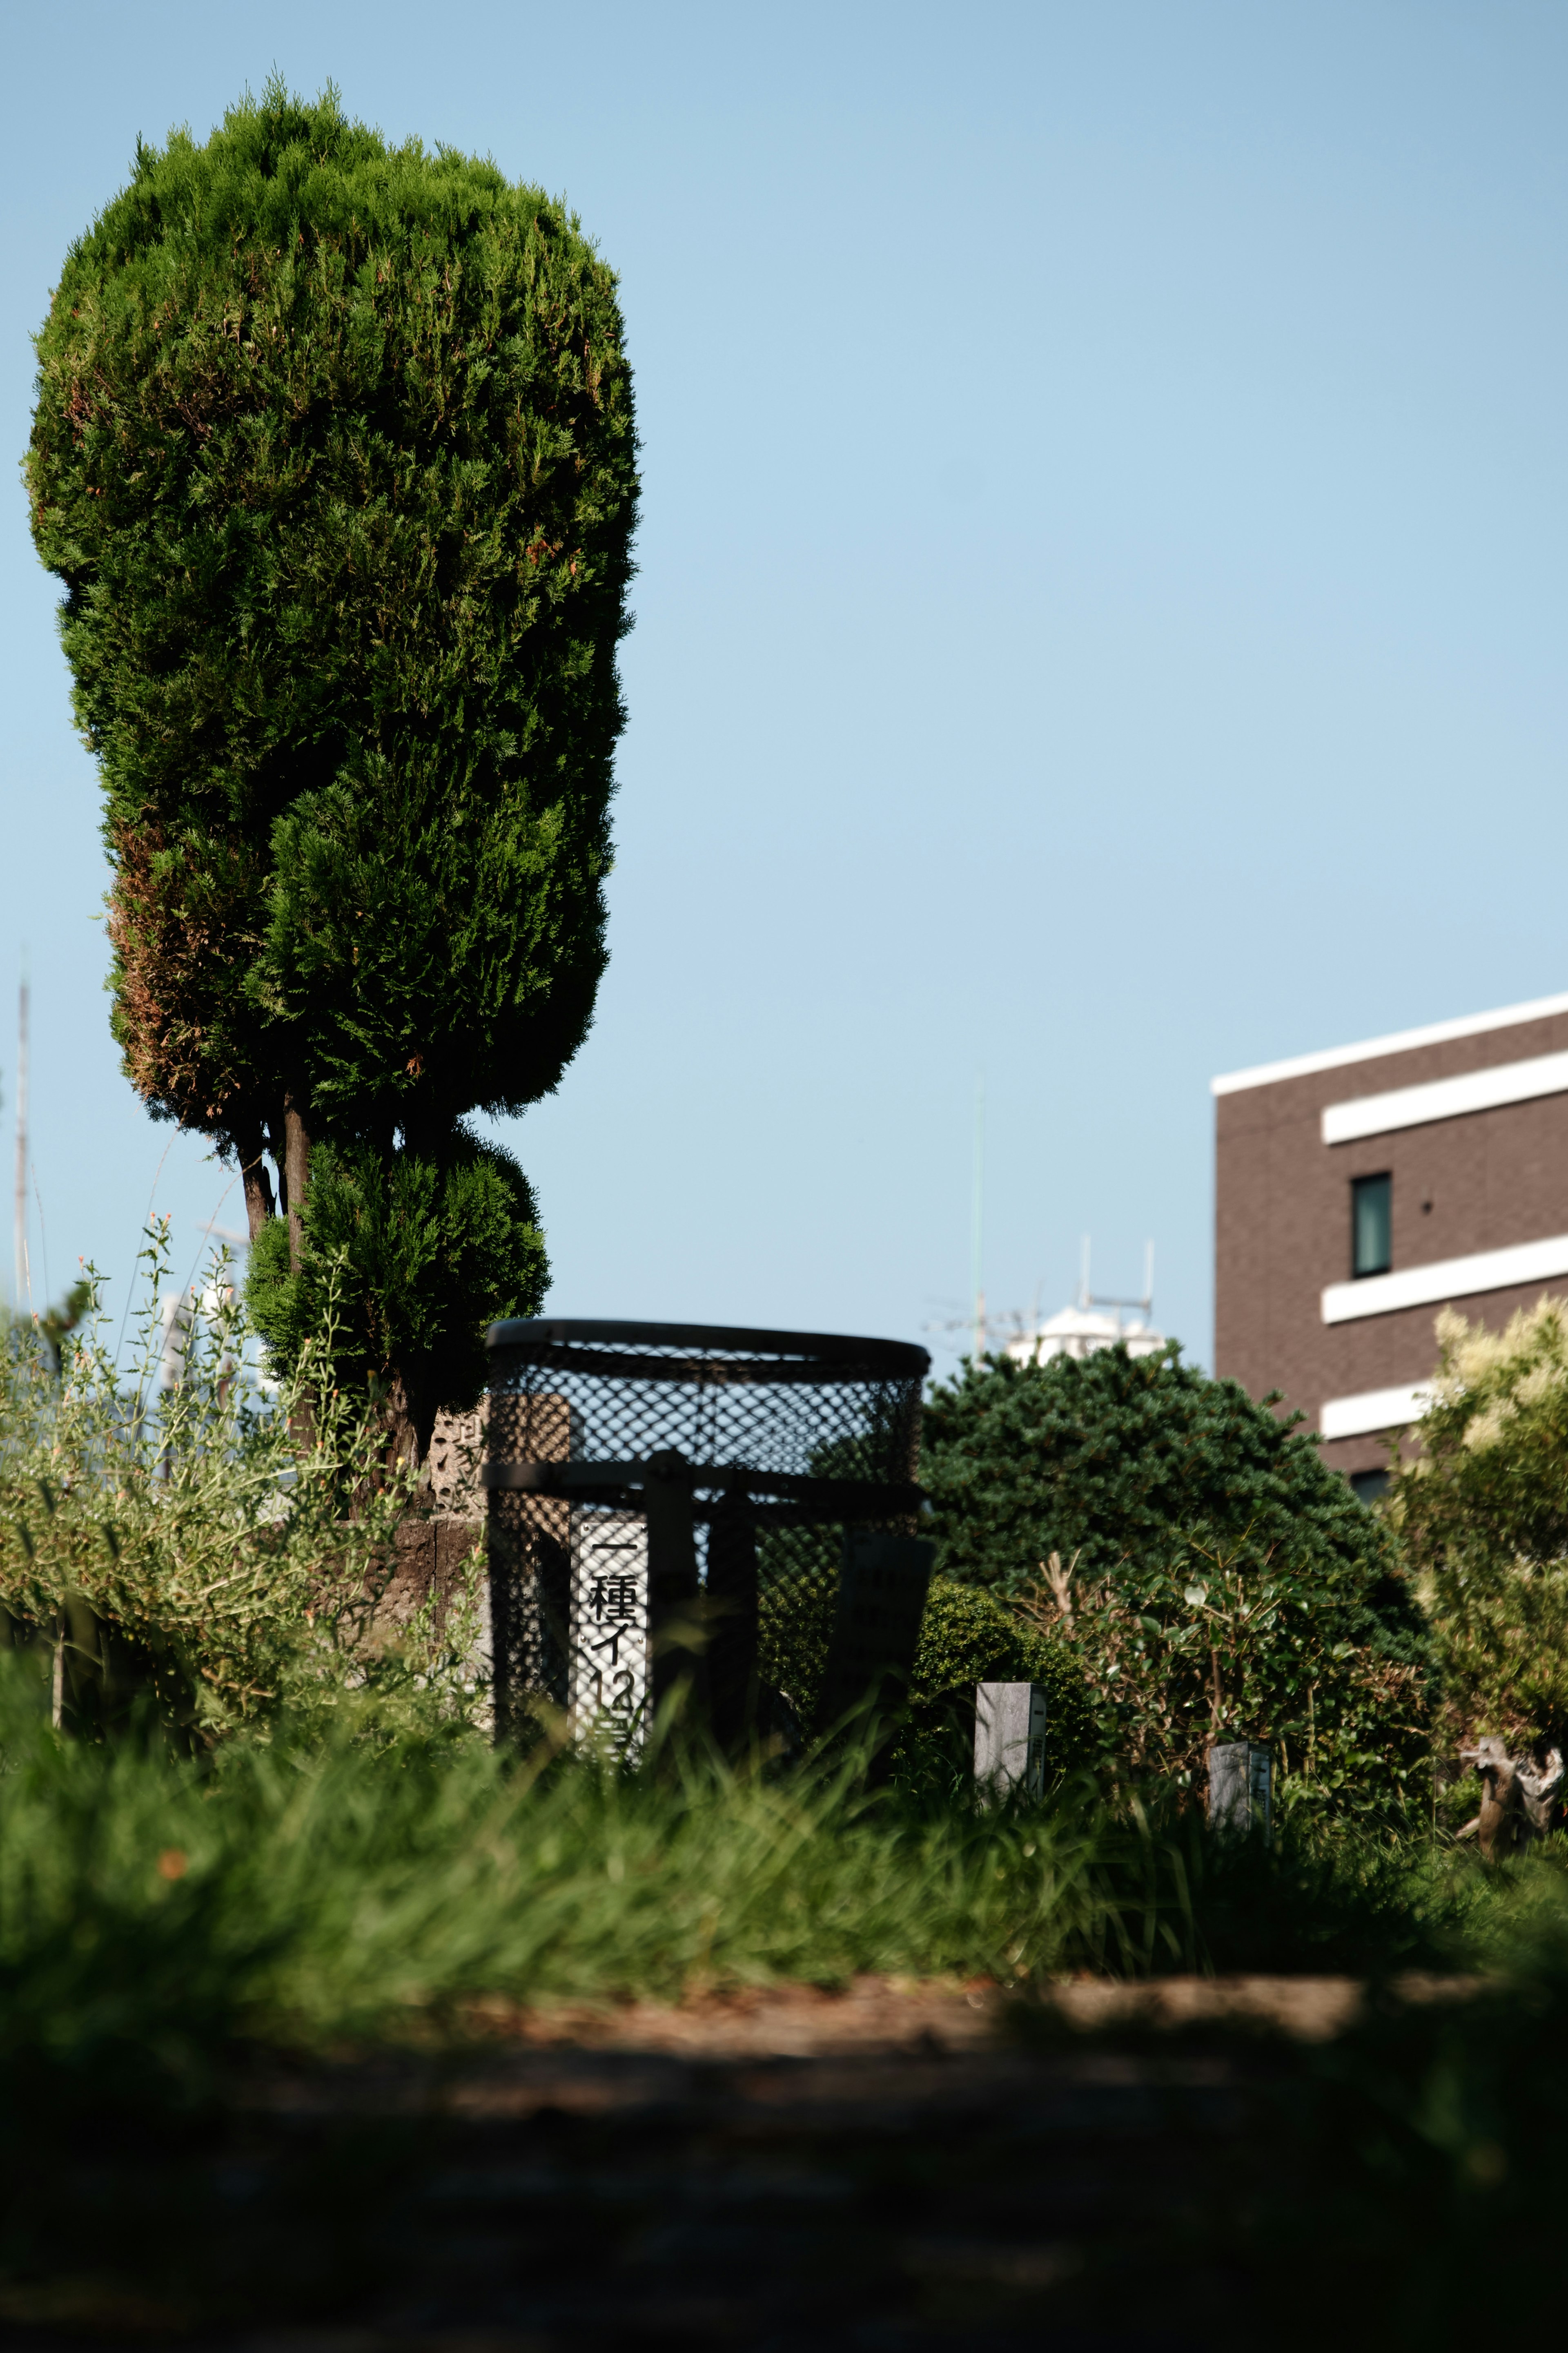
1010,1739
1241,1788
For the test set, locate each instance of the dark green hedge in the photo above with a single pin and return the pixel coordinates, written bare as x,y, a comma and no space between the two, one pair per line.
968,1637
1104,1459
1224,1582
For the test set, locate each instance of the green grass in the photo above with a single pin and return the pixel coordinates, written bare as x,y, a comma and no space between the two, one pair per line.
301,1890
339,1888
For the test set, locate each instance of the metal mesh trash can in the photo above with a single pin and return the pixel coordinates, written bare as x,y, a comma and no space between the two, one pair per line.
673,1501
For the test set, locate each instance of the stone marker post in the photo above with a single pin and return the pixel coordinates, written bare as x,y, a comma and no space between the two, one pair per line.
1241,1788
607,1684
1010,1739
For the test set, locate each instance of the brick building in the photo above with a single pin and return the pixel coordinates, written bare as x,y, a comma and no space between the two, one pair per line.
1358,1191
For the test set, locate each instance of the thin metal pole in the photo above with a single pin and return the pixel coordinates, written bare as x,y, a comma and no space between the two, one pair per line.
977,1283
24,1272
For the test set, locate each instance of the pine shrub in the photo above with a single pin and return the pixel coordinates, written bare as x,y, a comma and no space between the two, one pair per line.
1213,1577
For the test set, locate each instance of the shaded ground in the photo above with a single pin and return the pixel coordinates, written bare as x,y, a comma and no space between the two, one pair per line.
891,2170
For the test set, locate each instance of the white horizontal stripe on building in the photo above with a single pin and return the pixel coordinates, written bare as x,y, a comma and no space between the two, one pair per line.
1402,1041
1505,1082
1357,1417
1445,1278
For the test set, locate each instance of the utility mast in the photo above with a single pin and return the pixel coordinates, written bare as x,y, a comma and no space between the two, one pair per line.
1087,1298
24,1272
977,1283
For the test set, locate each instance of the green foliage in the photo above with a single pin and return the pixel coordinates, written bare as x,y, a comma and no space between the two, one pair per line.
968,1637
56,1321
1100,1460
216,1554
797,1577
337,1887
328,1884
334,453
423,1253
1214,1579
1483,1516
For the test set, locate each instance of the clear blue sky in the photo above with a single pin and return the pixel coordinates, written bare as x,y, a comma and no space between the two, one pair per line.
1101,608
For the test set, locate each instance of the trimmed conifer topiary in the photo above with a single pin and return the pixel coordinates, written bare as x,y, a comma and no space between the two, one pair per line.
335,453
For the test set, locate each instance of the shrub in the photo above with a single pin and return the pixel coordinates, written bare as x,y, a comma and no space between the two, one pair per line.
1214,1579
1483,1517
1100,1459
417,1253
968,1637
210,1549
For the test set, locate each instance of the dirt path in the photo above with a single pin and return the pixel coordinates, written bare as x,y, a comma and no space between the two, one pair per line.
892,2169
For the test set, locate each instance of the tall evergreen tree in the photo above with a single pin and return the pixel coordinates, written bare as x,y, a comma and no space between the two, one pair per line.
335,453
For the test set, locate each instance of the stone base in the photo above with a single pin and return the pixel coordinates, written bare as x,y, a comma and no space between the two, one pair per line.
434,1554
433,1557
452,1466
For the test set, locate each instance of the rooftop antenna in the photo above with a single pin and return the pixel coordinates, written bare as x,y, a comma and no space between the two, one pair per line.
1083,1275
1098,1299
977,1283
24,1276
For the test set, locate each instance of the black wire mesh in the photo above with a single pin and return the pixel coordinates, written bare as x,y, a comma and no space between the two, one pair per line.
764,1445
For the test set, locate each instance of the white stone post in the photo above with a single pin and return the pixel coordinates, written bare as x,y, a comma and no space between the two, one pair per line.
1010,1739
608,1679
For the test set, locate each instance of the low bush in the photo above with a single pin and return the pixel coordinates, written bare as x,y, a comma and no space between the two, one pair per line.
1482,1516
196,1539
1212,1577
968,1637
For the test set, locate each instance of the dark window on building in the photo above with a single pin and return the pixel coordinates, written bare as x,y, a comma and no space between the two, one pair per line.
1369,1485
1372,1225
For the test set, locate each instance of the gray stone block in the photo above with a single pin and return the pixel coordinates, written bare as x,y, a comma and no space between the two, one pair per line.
1241,1778
1010,1739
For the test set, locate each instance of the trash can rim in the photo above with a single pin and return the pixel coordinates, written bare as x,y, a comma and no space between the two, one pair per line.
893,1359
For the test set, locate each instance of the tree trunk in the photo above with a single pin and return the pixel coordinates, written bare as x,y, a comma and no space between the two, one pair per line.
258,1203
405,1441
296,1175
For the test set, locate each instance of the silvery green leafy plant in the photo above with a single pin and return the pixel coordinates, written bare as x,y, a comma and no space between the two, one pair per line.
220,1542
1482,1513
